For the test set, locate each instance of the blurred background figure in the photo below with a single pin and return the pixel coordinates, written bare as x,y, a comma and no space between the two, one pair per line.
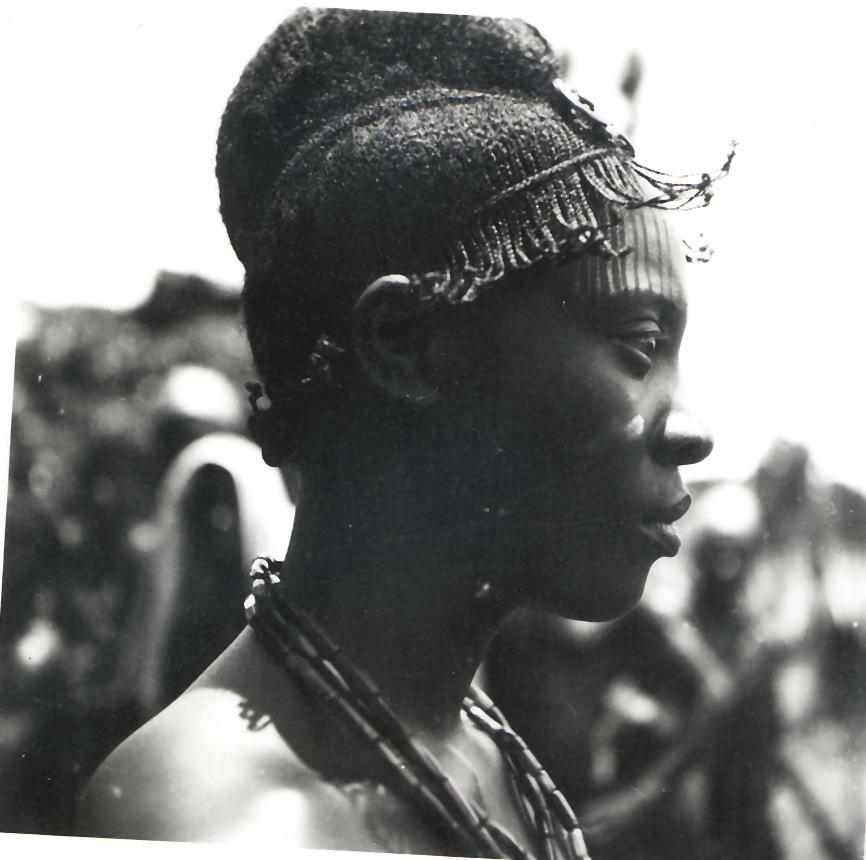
130,490
219,506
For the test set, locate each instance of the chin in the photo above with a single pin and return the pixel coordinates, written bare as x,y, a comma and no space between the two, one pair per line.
601,598
582,574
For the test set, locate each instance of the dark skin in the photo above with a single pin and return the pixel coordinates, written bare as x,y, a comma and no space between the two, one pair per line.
522,453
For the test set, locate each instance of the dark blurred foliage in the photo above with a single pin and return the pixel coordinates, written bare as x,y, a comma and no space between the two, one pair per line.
729,726
92,434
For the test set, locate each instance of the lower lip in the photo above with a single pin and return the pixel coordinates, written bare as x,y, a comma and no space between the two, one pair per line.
664,535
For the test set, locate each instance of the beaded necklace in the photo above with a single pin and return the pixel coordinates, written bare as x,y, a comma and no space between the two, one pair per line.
301,646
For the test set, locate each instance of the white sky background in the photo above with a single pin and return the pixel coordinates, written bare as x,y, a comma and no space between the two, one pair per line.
111,109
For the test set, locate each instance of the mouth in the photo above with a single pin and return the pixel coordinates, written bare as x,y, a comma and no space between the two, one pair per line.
660,526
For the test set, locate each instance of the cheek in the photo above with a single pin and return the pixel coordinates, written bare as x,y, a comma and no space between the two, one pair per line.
586,464
604,417
609,430
567,418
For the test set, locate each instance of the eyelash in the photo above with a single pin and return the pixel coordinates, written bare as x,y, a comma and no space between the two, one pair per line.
642,346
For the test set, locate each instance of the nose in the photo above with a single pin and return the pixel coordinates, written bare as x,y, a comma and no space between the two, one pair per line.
685,440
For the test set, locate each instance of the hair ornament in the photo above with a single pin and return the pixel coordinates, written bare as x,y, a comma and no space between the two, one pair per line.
319,369
699,253
258,400
689,191
582,111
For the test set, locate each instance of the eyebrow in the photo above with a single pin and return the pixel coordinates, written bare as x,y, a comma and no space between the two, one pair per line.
671,311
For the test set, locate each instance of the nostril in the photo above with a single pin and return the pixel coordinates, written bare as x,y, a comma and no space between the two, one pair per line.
694,451
686,440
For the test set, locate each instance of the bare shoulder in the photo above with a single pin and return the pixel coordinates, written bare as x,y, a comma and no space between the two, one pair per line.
210,767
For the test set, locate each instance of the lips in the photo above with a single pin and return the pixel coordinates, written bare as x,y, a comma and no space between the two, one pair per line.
660,529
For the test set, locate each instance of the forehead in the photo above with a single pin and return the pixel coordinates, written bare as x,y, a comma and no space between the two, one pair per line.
647,273
649,262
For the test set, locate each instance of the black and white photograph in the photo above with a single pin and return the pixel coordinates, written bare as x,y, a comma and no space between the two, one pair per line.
434,430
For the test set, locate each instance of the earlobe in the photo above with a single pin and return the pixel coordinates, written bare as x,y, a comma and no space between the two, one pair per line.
391,338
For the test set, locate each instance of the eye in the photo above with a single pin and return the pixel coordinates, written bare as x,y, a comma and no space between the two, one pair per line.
647,343
640,346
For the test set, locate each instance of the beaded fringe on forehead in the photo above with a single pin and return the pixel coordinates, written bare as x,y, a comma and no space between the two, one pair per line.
574,210
516,230
540,180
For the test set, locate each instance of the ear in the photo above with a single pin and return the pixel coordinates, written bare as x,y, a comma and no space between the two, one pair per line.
391,337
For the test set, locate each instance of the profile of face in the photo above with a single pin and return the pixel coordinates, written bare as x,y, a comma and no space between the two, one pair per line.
571,387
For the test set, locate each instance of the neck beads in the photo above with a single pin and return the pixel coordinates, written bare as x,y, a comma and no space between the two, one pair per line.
309,655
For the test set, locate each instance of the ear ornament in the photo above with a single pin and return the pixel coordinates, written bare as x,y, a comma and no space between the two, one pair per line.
279,411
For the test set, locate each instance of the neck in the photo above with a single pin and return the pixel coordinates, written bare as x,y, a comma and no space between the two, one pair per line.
401,600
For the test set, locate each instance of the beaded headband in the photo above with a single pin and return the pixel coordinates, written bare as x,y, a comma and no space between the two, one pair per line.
641,260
